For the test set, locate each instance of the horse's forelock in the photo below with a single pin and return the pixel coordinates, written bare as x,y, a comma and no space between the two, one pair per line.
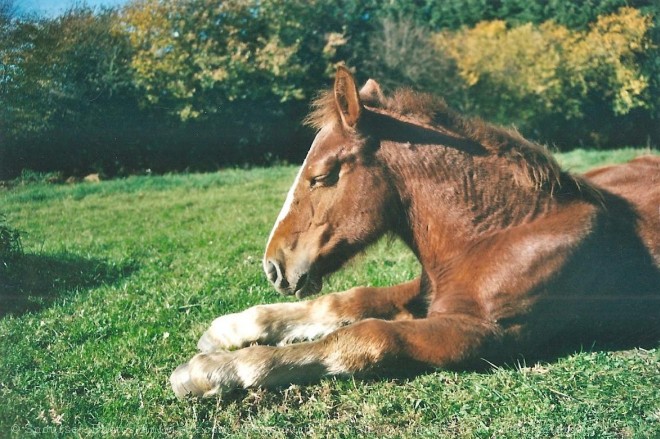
324,111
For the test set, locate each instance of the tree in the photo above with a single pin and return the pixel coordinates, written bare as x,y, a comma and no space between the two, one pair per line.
576,14
402,53
546,78
197,56
69,84
244,69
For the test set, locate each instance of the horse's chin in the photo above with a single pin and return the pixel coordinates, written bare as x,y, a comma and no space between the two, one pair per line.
312,286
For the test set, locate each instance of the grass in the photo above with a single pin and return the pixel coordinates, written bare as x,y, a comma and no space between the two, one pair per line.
121,277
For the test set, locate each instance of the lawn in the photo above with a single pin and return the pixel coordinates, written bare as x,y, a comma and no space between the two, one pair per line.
121,277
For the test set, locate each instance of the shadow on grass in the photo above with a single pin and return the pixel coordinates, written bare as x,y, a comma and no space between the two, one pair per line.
34,281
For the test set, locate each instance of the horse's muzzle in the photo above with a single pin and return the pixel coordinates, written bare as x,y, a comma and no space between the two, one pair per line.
300,282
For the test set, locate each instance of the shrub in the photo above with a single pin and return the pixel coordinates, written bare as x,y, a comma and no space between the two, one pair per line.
556,83
402,53
574,14
200,84
10,244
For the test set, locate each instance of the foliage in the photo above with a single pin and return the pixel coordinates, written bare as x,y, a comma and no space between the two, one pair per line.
10,244
199,85
241,72
127,273
70,95
78,64
402,53
193,56
546,77
575,14
200,57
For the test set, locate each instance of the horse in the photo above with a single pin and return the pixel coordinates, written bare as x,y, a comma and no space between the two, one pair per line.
518,256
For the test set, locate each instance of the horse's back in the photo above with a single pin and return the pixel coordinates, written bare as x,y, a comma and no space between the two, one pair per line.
621,258
640,176
638,182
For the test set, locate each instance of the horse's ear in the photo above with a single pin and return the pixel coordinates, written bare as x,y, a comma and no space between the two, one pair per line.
347,97
371,94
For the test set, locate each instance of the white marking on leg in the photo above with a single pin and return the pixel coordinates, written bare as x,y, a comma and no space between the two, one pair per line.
335,364
249,374
278,323
307,332
233,331
315,319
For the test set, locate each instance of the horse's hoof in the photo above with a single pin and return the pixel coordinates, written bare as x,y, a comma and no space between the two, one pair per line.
181,382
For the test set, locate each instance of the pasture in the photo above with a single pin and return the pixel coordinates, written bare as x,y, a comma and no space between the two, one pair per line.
120,278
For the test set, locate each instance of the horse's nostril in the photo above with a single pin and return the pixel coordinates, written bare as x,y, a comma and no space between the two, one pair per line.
302,281
273,271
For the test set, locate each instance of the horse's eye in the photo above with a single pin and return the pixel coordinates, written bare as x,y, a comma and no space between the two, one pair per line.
319,180
326,179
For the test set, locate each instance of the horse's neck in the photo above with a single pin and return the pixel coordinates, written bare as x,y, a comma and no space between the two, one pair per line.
452,198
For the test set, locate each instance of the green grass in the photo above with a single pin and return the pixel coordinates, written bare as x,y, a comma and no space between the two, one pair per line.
120,278
580,160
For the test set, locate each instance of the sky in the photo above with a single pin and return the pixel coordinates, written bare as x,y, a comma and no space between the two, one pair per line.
54,7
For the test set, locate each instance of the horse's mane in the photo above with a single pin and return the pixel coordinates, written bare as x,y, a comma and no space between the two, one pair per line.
538,167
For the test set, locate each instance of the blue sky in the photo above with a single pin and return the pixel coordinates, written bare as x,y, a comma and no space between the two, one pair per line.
55,7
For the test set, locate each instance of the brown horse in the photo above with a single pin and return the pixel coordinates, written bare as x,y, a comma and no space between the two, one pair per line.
517,255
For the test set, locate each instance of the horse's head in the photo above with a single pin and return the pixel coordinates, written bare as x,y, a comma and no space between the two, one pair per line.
340,200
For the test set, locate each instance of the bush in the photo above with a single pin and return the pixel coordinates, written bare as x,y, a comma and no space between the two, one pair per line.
402,53
558,84
10,244
200,84
71,98
574,14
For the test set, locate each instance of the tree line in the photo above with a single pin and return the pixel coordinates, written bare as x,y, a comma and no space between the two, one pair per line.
201,84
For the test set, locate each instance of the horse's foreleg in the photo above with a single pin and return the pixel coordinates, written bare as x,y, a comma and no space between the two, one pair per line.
361,347
285,323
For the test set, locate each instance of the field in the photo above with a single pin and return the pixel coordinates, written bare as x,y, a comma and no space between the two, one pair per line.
121,277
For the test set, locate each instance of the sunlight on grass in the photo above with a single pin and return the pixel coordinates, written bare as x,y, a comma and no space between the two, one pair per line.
121,278
580,160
